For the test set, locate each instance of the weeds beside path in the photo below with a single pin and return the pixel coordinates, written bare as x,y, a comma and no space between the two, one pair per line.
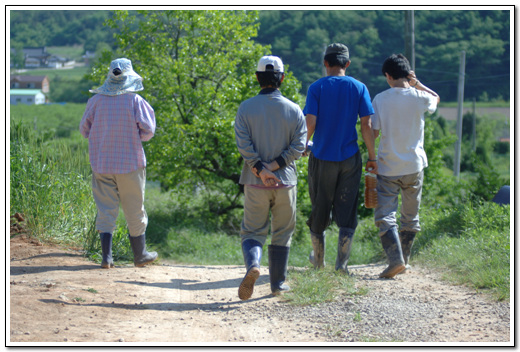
58,296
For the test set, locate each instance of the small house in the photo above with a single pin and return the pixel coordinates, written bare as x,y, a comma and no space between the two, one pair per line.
30,82
27,96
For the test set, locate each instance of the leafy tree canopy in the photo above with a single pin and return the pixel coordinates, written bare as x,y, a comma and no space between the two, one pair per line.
197,67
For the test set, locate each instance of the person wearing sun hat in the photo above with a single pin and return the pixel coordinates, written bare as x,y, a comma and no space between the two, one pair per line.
333,107
121,79
116,121
270,134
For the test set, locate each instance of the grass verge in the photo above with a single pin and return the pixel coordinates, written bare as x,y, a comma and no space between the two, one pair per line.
309,286
48,183
471,244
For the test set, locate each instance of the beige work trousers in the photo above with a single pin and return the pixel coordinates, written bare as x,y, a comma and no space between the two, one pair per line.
258,203
112,190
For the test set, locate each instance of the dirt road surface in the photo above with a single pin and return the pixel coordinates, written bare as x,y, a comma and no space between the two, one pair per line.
57,297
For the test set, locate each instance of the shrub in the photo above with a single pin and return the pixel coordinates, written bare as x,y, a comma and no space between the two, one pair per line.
501,147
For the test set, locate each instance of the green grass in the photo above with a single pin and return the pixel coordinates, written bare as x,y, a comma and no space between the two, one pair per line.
183,235
51,120
48,183
70,74
311,286
478,104
471,245
74,52
502,165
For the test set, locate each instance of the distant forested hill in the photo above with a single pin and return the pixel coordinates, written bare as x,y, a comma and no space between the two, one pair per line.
57,28
299,37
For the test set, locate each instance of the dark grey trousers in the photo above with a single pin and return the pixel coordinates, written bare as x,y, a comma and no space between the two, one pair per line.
334,192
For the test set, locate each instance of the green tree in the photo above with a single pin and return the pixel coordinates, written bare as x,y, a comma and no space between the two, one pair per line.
483,35
487,134
197,67
17,57
60,27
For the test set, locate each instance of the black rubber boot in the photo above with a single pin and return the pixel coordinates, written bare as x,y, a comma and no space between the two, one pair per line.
106,250
278,261
406,238
317,256
346,235
141,256
252,251
392,247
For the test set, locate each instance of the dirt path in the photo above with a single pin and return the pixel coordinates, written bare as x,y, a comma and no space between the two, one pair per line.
58,296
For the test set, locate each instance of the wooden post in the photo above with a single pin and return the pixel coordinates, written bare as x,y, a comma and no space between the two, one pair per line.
456,164
409,37
474,134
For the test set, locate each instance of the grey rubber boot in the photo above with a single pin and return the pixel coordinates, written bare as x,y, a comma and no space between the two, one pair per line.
392,247
106,250
317,256
252,251
278,261
141,255
346,235
406,238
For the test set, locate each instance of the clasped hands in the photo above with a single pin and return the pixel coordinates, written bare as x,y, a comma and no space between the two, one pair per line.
266,175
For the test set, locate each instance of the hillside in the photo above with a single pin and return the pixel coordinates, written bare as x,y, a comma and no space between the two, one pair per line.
300,36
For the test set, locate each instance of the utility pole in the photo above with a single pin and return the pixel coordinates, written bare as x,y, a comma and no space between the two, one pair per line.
323,69
474,134
409,37
462,69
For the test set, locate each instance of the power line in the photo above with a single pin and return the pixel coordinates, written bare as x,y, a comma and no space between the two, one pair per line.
473,79
486,77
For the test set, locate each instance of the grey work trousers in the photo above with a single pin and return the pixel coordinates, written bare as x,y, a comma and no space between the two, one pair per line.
388,189
281,202
110,190
334,192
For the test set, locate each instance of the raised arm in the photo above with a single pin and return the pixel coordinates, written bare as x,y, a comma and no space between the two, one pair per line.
415,83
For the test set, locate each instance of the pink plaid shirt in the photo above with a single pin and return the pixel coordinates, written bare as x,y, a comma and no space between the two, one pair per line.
115,127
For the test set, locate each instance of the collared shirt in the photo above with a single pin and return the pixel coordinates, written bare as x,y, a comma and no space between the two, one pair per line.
115,127
270,126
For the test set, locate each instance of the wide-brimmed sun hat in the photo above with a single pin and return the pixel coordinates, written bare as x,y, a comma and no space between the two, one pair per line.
121,79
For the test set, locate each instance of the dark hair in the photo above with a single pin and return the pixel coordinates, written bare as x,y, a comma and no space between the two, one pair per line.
336,60
397,66
270,79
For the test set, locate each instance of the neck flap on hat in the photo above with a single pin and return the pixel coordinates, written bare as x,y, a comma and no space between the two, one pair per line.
126,80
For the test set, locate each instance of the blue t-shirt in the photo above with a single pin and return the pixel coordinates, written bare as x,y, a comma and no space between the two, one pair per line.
337,101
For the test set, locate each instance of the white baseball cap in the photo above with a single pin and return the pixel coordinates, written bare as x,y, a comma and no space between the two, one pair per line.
267,61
